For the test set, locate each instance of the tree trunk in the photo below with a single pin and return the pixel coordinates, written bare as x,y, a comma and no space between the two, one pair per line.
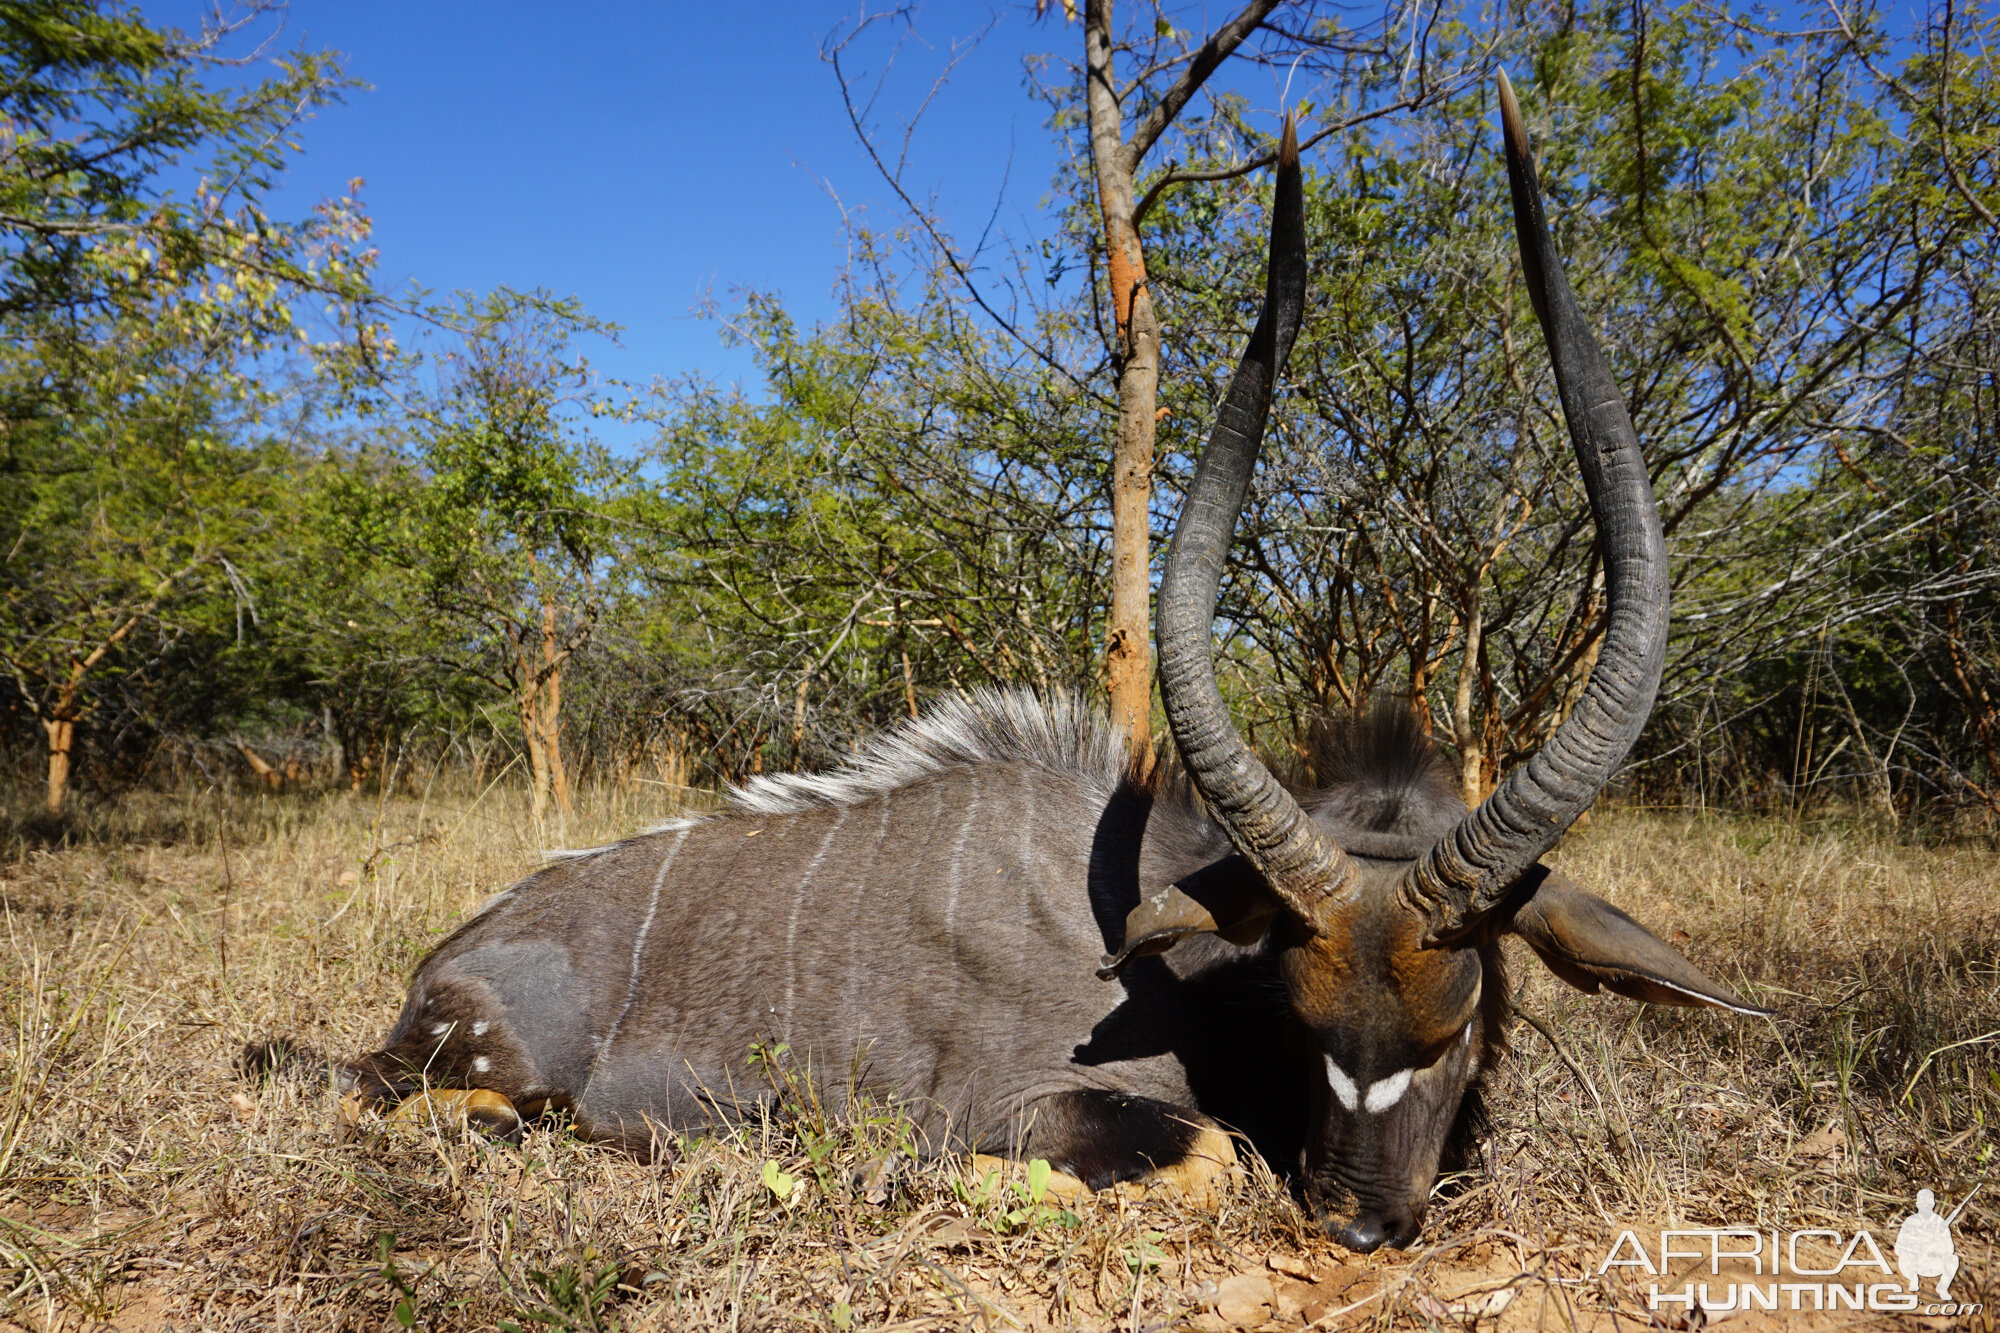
538,760
336,750
60,721
1128,655
1881,799
62,739
1471,752
551,711
1128,648
539,657
527,698
268,775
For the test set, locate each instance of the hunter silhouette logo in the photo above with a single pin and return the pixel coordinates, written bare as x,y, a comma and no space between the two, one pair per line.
1924,1247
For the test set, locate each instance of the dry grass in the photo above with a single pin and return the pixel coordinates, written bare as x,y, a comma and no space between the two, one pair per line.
143,1186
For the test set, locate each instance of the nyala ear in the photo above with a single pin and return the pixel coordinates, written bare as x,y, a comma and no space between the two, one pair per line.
1589,943
1226,898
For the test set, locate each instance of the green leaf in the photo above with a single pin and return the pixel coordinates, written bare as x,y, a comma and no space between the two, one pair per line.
781,1183
1038,1179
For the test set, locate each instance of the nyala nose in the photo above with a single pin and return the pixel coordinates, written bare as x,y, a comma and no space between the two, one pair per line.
1371,1230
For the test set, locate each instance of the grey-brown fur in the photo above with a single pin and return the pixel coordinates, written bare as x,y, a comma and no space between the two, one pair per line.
926,920
928,917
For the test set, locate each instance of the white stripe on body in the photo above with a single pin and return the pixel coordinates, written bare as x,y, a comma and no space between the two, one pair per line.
638,948
792,928
858,959
1023,959
957,874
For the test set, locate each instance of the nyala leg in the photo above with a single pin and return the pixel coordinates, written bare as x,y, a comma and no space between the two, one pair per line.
383,1080
481,1109
1105,1137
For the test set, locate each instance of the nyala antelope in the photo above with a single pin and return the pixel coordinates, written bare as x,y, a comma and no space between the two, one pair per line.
989,919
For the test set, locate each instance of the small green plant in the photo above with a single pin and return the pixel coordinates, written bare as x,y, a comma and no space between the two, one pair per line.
573,1296
1029,1209
1147,1254
404,1311
784,1186
770,1055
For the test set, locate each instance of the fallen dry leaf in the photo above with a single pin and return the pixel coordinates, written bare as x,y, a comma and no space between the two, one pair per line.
1484,1305
1292,1266
1822,1144
1242,1300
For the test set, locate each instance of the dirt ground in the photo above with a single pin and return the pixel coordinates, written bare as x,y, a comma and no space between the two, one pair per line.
143,1185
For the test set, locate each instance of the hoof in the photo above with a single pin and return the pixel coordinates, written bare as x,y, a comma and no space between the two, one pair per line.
261,1061
488,1112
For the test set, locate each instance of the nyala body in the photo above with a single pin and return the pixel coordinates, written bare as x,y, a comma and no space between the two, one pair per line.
926,927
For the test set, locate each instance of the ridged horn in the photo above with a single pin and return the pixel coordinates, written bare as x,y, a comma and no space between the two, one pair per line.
1304,867
1468,872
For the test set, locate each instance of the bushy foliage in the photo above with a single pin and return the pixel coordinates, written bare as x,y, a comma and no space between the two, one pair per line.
273,546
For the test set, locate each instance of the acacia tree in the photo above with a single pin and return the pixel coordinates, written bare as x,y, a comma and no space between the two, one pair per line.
1762,250
499,512
138,332
1125,119
1115,155
912,509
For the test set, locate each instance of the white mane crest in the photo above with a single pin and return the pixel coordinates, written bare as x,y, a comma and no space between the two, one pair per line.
1062,734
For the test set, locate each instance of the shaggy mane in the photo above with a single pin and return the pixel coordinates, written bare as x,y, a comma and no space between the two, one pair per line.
1378,771
1062,734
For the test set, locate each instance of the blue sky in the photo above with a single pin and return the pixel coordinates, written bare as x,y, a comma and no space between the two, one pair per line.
644,157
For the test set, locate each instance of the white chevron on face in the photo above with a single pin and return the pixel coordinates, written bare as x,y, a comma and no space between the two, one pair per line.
1381,1095
1386,1093
1343,1086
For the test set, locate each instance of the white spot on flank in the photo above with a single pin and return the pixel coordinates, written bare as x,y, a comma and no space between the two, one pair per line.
440,1029
481,1064
479,1028
1343,1086
1388,1092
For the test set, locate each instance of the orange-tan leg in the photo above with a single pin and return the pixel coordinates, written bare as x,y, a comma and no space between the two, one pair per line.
486,1111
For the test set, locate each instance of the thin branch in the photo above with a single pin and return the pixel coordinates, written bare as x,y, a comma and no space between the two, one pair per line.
1212,53
938,238
1176,176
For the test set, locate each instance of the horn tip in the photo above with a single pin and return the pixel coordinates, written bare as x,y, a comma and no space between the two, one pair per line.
1511,125
1288,143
